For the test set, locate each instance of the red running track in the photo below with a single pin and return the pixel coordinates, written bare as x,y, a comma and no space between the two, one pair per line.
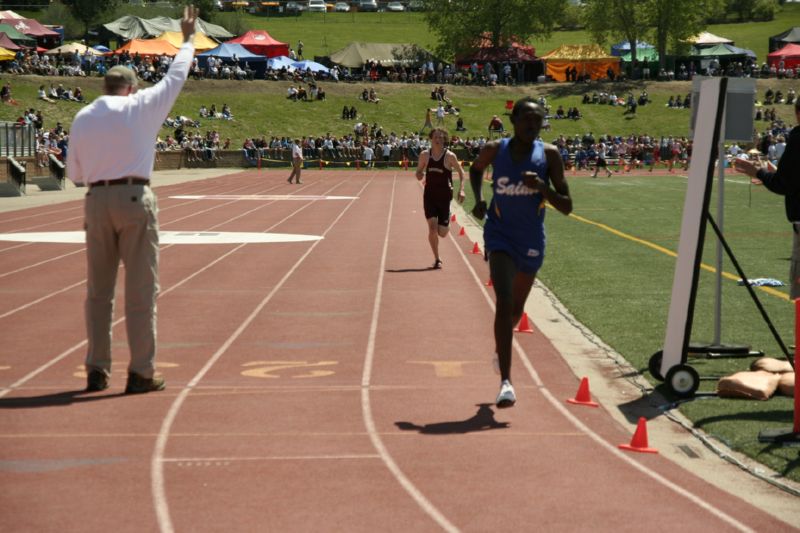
333,385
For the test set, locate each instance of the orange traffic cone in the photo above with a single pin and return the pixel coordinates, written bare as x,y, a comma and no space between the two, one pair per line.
583,397
453,217
639,440
489,283
476,249
524,326
462,232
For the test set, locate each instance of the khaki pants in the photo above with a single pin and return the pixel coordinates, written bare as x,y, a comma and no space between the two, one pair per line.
122,223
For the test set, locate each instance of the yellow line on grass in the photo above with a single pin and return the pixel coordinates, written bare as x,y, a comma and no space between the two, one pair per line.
727,275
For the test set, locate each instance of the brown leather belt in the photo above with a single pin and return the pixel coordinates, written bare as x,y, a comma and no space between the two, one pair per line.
120,181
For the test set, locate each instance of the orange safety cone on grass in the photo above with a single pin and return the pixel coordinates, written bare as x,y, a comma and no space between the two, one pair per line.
524,326
639,440
583,397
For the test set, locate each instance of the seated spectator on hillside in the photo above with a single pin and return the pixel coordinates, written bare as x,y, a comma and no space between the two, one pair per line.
560,114
302,94
77,95
320,93
226,112
671,102
345,113
203,111
586,99
5,95
365,95
791,95
496,125
460,124
43,95
372,97
353,113
778,97
687,101
573,113
291,93
643,98
768,96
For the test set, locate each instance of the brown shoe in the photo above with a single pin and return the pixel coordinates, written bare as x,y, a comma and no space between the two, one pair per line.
137,384
96,381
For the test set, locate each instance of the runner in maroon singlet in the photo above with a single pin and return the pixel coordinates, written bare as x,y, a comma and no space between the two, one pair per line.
436,166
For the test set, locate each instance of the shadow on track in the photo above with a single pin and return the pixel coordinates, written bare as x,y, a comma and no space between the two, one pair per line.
55,399
483,420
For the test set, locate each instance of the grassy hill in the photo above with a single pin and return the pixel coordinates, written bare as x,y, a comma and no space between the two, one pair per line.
260,107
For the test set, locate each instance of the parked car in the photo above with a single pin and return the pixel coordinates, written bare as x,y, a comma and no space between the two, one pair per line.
415,5
293,7
316,6
341,7
396,7
367,5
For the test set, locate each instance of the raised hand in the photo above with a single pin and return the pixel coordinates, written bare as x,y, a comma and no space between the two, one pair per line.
190,14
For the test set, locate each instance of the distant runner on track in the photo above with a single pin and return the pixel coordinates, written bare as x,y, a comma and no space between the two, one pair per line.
436,167
526,173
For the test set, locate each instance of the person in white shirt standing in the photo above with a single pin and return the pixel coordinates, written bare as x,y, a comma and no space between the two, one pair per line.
297,162
111,152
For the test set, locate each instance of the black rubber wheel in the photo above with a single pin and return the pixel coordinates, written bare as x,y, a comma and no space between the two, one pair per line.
654,366
683,380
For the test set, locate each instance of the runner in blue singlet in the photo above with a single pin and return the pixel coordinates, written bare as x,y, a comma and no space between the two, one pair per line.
526,174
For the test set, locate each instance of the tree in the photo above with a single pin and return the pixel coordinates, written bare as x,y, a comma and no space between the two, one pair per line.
90,11
617,18
677,20
670,22
461,24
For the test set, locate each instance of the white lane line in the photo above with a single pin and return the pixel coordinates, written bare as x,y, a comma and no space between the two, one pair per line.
52,294
556,403
366,406
5,390
325,457
157,461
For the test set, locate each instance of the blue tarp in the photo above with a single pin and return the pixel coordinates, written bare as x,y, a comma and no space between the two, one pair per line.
625,46
311,65
278,62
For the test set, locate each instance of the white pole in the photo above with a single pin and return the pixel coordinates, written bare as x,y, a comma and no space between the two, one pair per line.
720,217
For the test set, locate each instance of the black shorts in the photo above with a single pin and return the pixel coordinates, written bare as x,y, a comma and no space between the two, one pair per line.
438,207
601,162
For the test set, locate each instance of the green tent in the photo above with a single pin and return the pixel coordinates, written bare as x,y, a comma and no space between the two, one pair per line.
16,36
643,54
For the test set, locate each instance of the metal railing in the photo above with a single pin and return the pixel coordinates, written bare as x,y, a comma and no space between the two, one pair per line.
17,140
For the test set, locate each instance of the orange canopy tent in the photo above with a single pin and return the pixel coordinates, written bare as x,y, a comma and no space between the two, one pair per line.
202,42
147,47
589,59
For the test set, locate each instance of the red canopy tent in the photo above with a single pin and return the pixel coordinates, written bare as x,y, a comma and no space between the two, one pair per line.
789,54
261,43
30,27
8,44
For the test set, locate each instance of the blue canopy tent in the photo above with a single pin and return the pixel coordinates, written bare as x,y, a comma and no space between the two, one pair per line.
278,62
226,53
624,47
313,66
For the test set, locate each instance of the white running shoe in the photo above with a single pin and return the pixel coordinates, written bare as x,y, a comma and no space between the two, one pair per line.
506,398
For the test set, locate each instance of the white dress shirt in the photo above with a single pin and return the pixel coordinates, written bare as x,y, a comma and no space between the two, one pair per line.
113,137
